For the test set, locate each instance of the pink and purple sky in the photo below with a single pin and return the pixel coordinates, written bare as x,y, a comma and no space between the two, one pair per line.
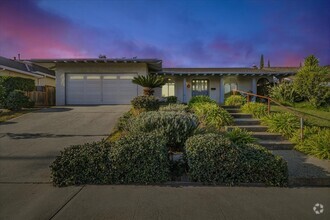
195,33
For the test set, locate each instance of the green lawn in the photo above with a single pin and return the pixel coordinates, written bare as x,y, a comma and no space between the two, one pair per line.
316,117
6,115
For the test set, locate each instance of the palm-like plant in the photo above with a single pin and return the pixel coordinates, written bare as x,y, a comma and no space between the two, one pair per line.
149,82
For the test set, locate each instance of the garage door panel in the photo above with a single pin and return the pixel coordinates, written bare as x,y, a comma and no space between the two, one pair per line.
100,88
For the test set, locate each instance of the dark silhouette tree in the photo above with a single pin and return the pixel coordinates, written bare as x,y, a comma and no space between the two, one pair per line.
262,61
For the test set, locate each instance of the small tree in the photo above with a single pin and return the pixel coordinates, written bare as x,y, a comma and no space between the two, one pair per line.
311,83
262,61
149,82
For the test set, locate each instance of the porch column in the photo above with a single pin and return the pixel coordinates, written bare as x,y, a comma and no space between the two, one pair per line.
184,97
254,88
222,91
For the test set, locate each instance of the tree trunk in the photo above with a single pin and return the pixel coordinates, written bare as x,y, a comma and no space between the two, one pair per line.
148,91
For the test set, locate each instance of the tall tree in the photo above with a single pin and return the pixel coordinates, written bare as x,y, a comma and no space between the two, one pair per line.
268,65
262,61
311,83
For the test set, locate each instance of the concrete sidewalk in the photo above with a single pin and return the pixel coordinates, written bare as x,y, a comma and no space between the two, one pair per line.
43,201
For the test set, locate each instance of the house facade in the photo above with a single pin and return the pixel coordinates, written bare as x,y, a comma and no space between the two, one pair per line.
42,76
109,81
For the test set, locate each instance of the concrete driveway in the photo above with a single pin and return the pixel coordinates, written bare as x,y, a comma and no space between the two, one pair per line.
30,143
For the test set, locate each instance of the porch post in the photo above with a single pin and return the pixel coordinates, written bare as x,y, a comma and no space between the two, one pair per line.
222,91
254,88
184,97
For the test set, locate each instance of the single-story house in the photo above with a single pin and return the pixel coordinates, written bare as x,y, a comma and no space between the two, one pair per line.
109,81
25,69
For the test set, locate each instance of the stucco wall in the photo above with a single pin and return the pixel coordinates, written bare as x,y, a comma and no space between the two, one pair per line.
245,83
90,68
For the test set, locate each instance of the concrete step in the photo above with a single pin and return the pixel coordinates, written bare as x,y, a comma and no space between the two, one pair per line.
246,121
268,136
241,115
230,107
233,110
276,145
253,128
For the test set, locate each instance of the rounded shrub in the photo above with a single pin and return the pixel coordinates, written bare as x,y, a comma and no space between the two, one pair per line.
214,159
200,99
235,100
240,136
175,126
211,115
257,110
284,123
16,100
82,164
146,103
174,108
123,121
140,158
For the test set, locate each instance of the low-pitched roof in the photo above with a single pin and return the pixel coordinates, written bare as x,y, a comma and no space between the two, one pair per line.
25,67
273,71
153,64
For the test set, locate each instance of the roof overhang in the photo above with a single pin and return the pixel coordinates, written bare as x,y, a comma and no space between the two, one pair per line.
225,73
153,64
37,75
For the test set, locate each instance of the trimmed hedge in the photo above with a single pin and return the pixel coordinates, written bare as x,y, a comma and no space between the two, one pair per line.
258,110
146,103
140,158
284,123
82,164
200,99
211,115
175,126
214,159
235,100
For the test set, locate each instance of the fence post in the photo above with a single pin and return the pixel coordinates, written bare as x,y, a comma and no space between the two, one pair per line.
268,105
248,98
301,128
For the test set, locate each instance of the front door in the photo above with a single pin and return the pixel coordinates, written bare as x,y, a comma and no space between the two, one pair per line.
200,87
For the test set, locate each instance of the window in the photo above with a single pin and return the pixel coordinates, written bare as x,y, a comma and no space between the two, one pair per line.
230,87
126,77
200,87
168,89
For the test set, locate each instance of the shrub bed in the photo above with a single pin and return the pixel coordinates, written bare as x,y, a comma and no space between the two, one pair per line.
258,110
200,99
235,100
82,164
316,142
214,159
175,126
146,103
140,158
211,115
171,99
240,136
284,123
16,100
174,108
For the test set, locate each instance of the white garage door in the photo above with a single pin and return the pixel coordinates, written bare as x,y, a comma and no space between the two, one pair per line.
94,89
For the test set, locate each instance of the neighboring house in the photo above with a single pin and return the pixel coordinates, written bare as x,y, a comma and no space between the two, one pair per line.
109,81
25,69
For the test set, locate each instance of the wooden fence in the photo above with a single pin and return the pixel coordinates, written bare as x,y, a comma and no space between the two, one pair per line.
45,97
